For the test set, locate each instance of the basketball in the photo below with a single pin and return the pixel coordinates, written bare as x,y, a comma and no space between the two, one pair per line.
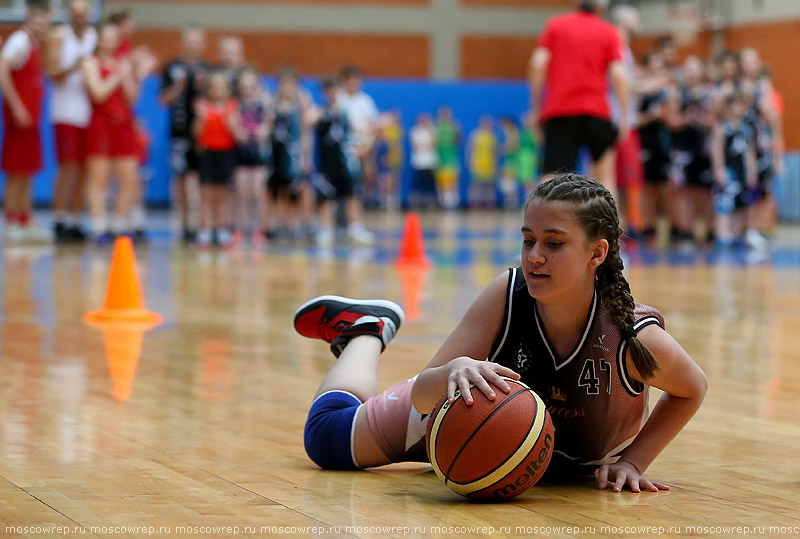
490,449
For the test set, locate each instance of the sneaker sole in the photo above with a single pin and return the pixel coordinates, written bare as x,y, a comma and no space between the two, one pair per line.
349,301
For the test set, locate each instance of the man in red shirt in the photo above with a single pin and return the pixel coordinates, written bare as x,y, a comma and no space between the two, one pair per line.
22,84
575,55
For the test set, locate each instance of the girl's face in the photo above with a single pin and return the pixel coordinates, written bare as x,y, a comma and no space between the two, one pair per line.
693,69
218,88
751,63
655,63
109,39
249,86
287,88
557,258
729,68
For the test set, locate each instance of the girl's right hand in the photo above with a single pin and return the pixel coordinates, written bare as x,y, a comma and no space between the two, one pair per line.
464,371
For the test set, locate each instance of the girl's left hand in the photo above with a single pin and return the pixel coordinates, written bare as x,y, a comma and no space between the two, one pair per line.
624,473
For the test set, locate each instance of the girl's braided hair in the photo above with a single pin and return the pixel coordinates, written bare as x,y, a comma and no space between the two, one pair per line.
596,211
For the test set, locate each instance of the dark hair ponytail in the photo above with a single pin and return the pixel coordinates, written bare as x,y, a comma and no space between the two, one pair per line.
596,211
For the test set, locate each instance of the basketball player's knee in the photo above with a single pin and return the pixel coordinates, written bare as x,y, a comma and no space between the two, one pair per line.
329,429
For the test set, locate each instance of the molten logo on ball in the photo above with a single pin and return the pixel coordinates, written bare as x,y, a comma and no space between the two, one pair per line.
533,472
491,449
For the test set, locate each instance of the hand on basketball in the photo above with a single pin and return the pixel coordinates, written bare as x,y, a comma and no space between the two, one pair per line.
624,473
465,371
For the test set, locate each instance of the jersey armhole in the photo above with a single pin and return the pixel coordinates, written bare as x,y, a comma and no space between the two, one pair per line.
633,387
501,340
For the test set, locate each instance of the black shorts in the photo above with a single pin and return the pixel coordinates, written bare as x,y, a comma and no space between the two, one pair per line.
424,181
183,156
656,148
334,186
250,155
216,167
563,136
281,184
698,172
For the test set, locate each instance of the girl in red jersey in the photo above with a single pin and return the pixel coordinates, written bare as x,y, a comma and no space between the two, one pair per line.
564,322
111,139
216,127
22,84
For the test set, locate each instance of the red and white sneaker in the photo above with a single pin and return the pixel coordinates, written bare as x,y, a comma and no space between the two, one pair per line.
336,320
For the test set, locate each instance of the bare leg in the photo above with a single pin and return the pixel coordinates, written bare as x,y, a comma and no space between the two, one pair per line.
325,215
683,209
24,194
68,172
260,196
603,171
206,216
182,199
650,195
13,193
241,178
78,191
222,202
98,171
307,203
128,173
355,209
356,371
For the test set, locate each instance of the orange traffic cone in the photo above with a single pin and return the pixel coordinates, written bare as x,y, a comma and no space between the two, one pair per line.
412,246
124,301
413,280
123,345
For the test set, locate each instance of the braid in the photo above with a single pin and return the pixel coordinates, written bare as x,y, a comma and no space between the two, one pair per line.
596,211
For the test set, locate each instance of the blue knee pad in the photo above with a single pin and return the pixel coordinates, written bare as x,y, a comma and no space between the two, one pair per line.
329,430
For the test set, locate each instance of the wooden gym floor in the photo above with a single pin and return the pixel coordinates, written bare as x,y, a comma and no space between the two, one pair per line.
200,434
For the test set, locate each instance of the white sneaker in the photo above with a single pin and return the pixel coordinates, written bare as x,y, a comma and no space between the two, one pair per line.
324,237
360,235
203,238
224,237
755,240
33,234
13,233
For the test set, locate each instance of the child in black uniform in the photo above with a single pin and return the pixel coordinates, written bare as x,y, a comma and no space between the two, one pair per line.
564,322
735,173
337,161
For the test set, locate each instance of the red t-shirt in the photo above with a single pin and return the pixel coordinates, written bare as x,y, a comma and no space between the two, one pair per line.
215,134
581,48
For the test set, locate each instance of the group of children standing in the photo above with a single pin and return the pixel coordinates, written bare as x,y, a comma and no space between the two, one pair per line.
96,76
506,165
711,144
268,165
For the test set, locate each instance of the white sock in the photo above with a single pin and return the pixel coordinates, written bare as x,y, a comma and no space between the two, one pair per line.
118,225
138,217
73,220
99,226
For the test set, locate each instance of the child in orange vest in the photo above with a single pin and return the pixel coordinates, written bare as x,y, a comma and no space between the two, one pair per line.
215,129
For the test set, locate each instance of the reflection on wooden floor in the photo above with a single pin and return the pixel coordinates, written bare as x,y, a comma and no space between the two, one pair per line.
203,430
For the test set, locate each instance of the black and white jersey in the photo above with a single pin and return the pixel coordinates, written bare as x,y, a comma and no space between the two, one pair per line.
597,409
182,108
